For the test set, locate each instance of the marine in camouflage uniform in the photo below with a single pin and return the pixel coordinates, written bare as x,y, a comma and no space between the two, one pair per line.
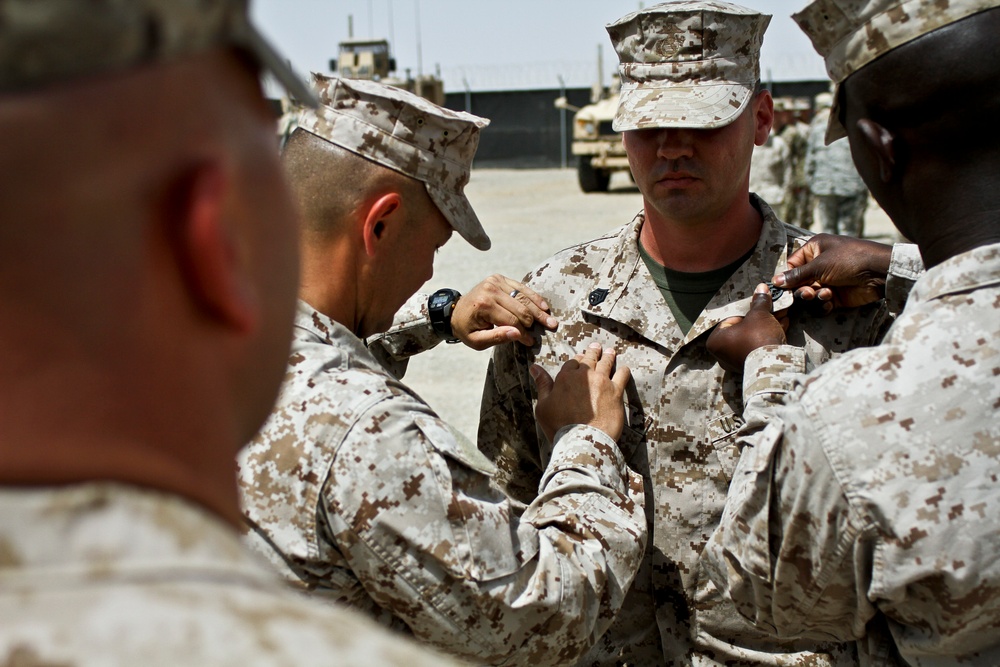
362,495
864,506
684,409
131,131
770,171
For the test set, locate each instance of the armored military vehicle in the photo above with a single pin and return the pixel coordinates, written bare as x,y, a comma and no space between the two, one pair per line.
371,59
598,148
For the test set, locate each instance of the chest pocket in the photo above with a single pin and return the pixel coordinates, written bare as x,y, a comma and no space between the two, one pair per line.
722,434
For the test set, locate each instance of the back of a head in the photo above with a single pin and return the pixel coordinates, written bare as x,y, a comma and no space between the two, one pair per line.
130,126
940,91
329,183
914,53
918,95
85,134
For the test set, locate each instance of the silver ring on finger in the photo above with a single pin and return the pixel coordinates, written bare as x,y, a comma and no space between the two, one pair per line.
514,293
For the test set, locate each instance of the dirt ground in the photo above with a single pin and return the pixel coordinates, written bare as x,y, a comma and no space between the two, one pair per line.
529,214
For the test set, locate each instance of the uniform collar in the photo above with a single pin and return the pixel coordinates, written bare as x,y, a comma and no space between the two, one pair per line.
623,284
977,268
312,326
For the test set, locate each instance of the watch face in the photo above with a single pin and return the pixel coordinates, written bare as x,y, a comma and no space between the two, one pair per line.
439,300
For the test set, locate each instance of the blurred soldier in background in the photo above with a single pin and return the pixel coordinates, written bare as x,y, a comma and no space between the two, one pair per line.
840,197
771,170
796,206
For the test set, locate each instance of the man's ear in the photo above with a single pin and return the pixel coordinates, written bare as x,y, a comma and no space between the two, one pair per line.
880,141
381,221
209,248
763,117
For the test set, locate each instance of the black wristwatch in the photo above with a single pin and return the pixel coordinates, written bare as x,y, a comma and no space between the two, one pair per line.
440,306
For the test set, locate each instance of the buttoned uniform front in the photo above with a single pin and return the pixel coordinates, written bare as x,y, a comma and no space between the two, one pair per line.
867,505
361,494
684,411
103,574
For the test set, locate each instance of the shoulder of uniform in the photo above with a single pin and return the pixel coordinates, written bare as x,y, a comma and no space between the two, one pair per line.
797,236
574,259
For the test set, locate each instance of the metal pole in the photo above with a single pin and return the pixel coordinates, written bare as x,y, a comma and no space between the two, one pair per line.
420,53
600,71
468,95
562,123
392,30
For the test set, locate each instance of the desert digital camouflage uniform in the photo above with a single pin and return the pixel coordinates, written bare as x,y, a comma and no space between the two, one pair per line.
868,504
101,574
106,574
361,494
683,416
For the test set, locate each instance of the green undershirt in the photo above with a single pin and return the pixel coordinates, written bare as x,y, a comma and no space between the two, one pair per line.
687,294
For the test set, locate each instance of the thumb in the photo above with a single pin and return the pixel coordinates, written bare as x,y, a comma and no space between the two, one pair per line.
761,299
543,381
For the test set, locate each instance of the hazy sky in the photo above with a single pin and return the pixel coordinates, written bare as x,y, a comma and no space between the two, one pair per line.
500,45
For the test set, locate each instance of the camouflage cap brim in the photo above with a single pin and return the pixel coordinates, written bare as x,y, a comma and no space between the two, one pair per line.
458,211
834,129
272,62
700,106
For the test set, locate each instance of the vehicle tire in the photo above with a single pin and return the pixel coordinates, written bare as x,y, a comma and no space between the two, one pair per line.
592,180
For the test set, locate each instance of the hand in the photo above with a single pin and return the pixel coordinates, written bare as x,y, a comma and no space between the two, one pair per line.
488,315
840,271
588,390
736,337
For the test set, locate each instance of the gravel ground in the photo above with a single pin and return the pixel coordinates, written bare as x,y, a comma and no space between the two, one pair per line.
529,214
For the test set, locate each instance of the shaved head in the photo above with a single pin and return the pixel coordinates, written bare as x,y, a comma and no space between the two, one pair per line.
331,183
942,90
923,125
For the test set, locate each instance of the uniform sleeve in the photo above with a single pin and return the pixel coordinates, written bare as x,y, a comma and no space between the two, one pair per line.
508,433
411,506
411,334
790,550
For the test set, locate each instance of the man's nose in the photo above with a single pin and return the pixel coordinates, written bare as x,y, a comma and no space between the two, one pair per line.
673,143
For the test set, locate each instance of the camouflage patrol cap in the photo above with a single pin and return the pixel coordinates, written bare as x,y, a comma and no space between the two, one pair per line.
408,134
47,41
687,63
849,34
